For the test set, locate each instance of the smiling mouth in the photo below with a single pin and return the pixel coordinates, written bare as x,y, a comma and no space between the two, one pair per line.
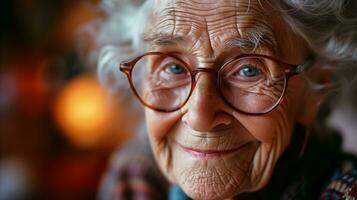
210,153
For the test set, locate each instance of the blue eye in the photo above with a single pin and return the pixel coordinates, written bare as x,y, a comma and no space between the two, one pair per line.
175,69
249,71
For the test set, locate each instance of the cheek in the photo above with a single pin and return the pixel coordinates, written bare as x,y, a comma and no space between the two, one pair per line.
278,124
266,128
159,124
274,128
273,131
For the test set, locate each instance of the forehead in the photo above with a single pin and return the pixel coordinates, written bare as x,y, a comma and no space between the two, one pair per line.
208,27
210,12
195,19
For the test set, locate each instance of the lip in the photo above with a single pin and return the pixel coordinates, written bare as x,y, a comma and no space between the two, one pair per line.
199,153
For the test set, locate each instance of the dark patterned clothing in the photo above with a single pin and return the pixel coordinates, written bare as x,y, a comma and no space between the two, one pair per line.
323,172
343,183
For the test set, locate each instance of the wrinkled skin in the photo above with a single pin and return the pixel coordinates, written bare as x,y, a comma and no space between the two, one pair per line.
206,122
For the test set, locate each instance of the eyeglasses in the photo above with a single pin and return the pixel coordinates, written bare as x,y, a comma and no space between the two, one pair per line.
250,83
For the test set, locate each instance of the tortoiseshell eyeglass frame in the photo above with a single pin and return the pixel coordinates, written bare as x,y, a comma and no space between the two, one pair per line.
289,70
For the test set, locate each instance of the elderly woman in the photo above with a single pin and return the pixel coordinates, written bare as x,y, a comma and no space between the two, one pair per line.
230,91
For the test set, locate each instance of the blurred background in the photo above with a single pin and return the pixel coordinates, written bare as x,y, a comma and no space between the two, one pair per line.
57,124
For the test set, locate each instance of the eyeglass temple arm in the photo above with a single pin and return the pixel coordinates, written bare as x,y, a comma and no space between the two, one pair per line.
300,68
125,66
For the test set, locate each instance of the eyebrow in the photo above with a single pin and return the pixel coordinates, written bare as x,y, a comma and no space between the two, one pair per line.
253,40
250,41
161,39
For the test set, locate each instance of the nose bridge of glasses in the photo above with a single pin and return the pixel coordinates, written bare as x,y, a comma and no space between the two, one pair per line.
202,69
212,72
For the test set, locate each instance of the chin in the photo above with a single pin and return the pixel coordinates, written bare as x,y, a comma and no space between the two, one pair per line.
213,177
209,191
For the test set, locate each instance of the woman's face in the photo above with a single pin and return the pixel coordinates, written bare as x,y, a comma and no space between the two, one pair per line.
206,147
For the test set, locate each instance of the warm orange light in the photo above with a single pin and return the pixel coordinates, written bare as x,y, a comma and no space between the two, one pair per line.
83,112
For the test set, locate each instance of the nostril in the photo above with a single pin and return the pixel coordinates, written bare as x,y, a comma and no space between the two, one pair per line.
221,127
196,121
207,121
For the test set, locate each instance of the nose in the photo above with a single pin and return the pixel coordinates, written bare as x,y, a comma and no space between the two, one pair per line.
206,110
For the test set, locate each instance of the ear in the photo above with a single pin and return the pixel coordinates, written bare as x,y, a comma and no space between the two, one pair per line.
318,84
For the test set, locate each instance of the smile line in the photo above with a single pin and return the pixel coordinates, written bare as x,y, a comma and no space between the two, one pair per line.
205,153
